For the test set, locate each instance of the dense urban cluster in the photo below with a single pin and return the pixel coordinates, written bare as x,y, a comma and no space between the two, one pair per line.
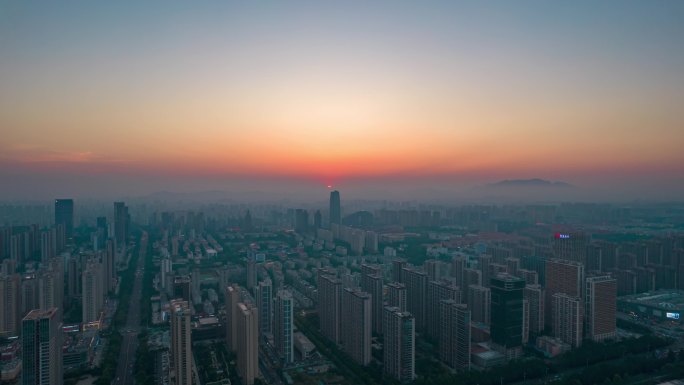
369,293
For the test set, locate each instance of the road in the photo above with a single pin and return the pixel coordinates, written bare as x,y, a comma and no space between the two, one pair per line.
129,345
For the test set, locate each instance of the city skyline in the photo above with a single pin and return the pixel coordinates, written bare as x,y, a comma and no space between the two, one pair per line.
132,99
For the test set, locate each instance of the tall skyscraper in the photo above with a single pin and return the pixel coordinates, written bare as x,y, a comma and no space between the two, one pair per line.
330,306
600,305
565,277
282,326
567,319
232,296
64,215
371,282
247,343
10,301
399,350
318,220
356,325
396,295
121,223
507,314
454,339
42,358
301,221
436,292
335,209
416,295
181,342
264,299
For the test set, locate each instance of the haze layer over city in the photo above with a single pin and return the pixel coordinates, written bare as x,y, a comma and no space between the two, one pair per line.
443,192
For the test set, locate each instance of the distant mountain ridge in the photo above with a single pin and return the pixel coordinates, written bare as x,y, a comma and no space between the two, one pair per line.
534,182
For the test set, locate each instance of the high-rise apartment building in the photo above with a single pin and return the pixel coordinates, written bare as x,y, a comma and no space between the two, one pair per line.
29,293
251,272
248,343
10,301
565,277
181,342
73,277
479,303
454,339
534,295
93,296
571,246
47,248
283,325
435,269
436,292
396,295
399,350
484,261
398,266
526,321
264,299
458,266
335,209
416,295
600,307
530,277
64,215
42,358
567,315
471,277
329,306
50,291
507,314
232,297
357,325
182,287
371,282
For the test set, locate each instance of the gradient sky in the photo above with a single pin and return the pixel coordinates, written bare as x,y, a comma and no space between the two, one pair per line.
577,91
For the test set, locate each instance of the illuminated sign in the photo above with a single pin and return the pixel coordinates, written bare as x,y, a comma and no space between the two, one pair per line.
672,315
562,236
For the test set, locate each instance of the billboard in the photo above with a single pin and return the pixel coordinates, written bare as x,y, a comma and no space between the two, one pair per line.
672,315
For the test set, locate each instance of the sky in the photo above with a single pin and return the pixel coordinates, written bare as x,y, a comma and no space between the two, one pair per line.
129,97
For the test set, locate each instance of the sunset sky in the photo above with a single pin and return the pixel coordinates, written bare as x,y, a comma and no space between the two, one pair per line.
331,93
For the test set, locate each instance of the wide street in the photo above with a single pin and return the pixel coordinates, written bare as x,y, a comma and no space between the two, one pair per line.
129,345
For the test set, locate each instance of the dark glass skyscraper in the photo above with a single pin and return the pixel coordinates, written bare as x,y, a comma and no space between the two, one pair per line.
335,212
41,332
64,215
121,220
507,311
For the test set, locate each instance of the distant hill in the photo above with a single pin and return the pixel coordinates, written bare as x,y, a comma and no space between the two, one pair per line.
536,182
